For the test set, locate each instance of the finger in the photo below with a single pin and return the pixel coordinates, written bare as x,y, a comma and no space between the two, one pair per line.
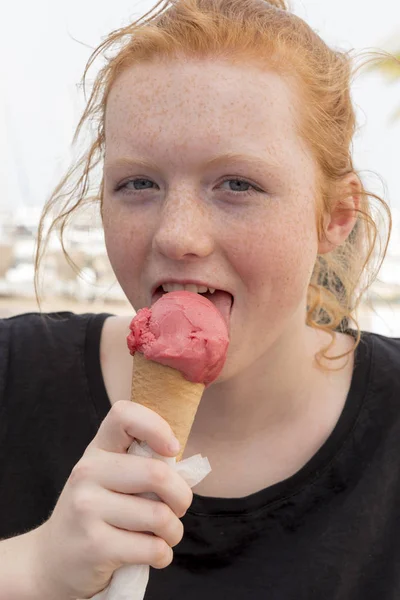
129,474
127,421
133,548
141,515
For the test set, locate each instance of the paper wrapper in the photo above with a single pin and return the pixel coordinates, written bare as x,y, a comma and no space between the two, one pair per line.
130,581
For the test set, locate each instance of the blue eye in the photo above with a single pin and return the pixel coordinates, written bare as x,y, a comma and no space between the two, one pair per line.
140,181
241,182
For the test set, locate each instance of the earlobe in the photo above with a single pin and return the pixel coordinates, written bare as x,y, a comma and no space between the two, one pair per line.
340,222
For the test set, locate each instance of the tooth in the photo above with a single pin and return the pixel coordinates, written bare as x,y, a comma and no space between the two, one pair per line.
191,287
175,287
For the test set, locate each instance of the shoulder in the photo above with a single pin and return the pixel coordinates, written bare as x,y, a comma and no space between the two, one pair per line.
113,335
46,322
49,356
31,332
115,359
31,341
383,354
34,345
383,347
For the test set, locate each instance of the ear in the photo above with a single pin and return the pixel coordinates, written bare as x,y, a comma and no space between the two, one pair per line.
340,222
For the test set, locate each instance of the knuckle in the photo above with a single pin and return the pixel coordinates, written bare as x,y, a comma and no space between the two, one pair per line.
118,410
83,502
161,553
81,472
161,515
189,498
178,533
186,500
158,473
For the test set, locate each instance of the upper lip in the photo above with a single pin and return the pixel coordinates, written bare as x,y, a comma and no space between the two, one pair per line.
197,282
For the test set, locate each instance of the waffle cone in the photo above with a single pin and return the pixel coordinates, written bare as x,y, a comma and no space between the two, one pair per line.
168,393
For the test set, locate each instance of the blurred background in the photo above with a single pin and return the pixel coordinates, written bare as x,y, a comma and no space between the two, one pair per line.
45,45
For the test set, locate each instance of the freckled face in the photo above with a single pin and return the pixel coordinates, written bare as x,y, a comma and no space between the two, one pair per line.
172,208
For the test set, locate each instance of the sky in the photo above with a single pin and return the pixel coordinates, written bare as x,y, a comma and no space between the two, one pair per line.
45,44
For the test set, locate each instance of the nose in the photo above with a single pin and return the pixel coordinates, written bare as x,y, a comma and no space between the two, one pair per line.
184,227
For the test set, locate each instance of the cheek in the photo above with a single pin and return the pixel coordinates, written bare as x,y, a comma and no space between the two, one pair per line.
125,242
277,256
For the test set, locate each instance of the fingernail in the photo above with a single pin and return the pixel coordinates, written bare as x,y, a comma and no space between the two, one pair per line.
174,445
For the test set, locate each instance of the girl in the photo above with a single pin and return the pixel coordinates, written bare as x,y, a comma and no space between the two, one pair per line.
223,130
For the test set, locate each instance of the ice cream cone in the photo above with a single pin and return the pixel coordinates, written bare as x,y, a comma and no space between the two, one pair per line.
168,393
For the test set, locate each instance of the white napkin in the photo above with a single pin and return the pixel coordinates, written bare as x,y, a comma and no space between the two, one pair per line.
130,581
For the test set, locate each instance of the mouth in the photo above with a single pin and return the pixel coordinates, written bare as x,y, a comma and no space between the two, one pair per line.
221,299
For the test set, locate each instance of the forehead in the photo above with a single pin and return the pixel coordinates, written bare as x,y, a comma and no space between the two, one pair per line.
165,106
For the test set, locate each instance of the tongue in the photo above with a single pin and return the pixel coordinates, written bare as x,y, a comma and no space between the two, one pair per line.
223,302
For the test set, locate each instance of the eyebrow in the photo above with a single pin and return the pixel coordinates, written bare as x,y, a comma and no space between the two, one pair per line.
250,159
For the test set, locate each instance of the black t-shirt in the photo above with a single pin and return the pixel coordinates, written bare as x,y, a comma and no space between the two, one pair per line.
329,532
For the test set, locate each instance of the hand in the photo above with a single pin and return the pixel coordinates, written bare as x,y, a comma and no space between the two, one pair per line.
97,525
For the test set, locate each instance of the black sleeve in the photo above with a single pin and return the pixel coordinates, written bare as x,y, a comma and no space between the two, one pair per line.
49,409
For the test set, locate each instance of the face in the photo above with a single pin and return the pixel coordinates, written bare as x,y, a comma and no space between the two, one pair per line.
205,178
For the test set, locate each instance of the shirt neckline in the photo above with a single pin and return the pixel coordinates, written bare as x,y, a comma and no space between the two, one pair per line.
214,506
278,492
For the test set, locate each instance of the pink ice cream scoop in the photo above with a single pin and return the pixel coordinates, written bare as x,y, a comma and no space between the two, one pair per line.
185,331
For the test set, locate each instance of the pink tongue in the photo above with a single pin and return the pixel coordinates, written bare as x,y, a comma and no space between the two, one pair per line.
223,302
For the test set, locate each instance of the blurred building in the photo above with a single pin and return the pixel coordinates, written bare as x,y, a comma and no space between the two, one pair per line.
89,278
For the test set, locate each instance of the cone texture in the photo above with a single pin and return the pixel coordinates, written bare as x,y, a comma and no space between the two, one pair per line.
168,393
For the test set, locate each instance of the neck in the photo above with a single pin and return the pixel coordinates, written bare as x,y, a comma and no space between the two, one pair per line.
277,390
280,390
